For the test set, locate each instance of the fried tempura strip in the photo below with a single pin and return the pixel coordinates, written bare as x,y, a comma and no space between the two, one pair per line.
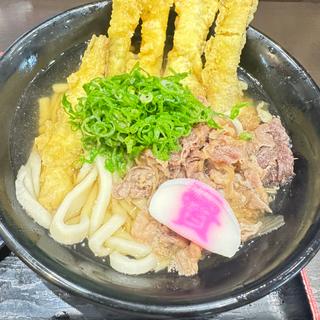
132,60
220,73
59,146
154,16
223,53
192,25
124,20
234,16
93,65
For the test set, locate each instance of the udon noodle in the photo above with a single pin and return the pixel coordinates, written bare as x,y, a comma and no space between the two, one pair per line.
79,200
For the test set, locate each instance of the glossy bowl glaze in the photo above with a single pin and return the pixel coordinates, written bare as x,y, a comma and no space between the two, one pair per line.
1,243
48,54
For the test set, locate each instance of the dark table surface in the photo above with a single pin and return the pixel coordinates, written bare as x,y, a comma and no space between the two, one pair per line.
23,295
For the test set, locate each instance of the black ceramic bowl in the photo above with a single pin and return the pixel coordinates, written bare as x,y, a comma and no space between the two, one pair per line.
1,244
48,54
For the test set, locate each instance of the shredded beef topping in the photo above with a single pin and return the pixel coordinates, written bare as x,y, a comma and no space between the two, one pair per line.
139,182
240,170
273,152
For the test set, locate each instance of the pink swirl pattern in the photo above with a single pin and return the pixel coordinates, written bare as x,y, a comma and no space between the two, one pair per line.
200,209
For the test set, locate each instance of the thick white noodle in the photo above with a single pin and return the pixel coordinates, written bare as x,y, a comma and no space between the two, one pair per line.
33,208
104,195
87,208
84,170
162,264
123,235
237,125
102,241
130,266
128,247
60,87
34,164
77,205
97,240
29,183
74,233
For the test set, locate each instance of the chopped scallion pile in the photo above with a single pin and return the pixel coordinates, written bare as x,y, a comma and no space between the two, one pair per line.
123,115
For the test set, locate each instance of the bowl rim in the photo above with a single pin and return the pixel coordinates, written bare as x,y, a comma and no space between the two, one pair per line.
2,244
250,292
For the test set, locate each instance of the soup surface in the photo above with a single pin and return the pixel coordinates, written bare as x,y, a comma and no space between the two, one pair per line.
127,127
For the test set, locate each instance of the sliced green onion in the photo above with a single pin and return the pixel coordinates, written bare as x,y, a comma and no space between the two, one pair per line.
123,115
235,110
245,135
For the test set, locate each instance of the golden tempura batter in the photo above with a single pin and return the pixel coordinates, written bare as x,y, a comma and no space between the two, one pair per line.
190,38
223,53
93,65
154,26
124,20
58,145
60,149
